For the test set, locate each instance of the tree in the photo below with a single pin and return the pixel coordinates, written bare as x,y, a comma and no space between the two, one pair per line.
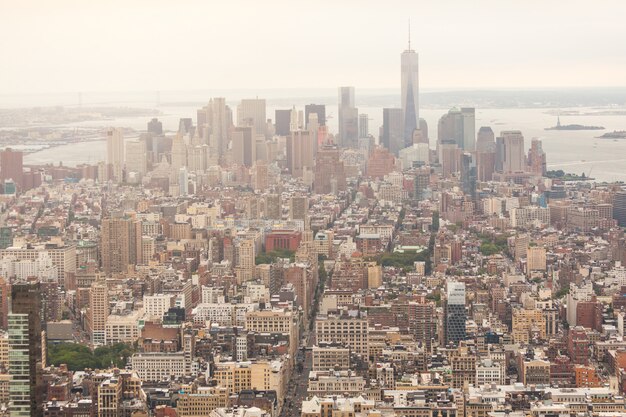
435,221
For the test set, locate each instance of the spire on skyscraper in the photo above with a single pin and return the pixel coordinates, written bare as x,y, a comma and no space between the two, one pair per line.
409,34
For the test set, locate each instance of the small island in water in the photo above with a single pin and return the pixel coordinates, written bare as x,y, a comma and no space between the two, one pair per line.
559,126
616,134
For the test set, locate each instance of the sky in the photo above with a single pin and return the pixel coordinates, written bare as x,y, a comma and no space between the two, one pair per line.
139,45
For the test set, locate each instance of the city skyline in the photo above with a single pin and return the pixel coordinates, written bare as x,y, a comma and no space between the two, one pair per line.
151,40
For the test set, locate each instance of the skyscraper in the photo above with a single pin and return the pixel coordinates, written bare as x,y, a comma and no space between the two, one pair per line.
619,208
26,390
364,130
120,243
156,127
300,150
348,118
392,133
183,187
455,315
244,146
485,141
299,208
179,156
459,126
136,153
98,311
318,109
251,112
330,176
282,122
409,75
468,174
218,119
115,154
537,158
11,166
513,151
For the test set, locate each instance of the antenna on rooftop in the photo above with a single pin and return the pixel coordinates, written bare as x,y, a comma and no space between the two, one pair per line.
409,34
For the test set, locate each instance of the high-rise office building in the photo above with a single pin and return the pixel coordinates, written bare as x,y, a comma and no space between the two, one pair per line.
619,208
485,165
155,127
282,122
299,208
244,146
183,183
273,206
246,254
11,166
6,237
120,243
318,109
455,316
115,154
468,174
392,132
313,126
499,154
185,126
136,154
5,296
513,151
485,141
179,156
251,112
449,157
459,126
330,176
364,130
423,126
27,390
536,158
98,311
300,151
409,76
214,125
348,118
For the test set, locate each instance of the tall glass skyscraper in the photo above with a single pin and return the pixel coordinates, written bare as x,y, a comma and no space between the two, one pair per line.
455,315
410,93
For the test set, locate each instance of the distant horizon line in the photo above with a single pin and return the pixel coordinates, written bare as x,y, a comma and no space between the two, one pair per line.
327,89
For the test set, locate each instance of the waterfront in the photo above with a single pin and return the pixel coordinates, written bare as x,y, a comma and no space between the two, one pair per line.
571,151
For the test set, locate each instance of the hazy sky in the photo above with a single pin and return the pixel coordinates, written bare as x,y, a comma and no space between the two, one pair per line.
91,45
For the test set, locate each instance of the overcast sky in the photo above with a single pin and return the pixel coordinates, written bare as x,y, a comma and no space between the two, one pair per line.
136,45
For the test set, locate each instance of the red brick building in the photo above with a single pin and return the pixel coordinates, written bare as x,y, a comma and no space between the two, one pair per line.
282,240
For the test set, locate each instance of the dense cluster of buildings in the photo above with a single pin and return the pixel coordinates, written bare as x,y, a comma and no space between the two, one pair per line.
249,267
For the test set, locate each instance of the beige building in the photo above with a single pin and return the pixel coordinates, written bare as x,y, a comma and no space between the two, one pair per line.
326,358
335,383
157,366
115,154
274,321
262,375
121,240
536,259
535,372
98,311
528,324
351,332
122,329
246,253
63,256
109,398
201,403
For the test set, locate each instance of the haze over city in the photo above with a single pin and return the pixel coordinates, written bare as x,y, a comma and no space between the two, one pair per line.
70,46
312,209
